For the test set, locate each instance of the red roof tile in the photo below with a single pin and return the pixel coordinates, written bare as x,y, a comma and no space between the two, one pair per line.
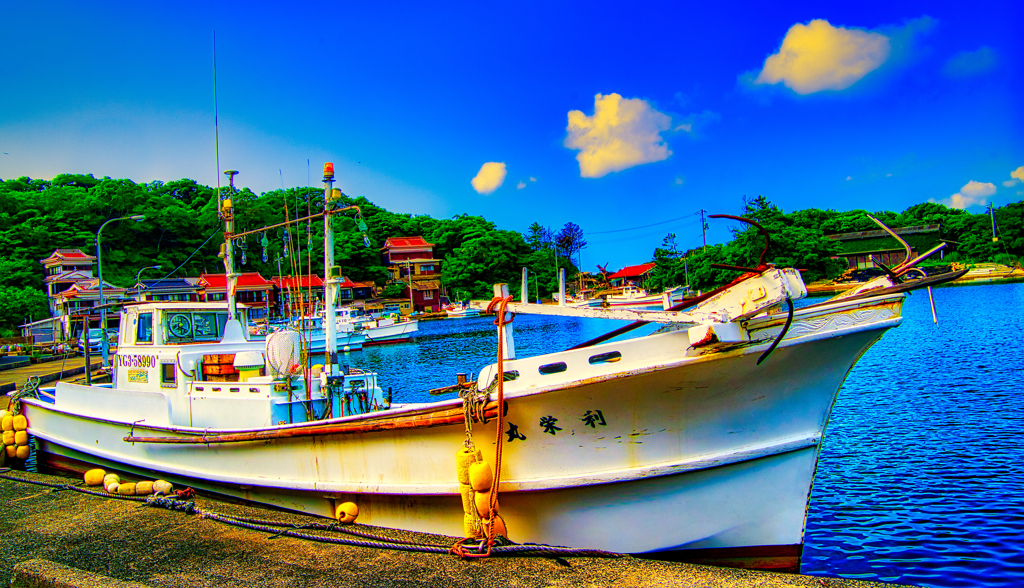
406,242
633,271
72,255
247,281
300,282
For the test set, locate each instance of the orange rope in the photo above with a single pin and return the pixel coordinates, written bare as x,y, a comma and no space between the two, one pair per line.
458,548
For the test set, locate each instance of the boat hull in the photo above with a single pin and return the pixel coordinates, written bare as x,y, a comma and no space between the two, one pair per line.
393,333
666,451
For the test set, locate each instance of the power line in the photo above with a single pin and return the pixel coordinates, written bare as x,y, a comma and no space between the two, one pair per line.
641,227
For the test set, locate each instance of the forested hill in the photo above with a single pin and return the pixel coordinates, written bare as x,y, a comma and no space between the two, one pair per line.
181,229
39,216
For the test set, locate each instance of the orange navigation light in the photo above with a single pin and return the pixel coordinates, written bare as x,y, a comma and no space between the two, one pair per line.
328,171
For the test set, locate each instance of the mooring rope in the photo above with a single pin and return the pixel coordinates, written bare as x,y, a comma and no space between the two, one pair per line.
174,502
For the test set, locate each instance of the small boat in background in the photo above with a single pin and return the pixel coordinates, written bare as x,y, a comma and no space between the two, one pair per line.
460,310
633,297
380,330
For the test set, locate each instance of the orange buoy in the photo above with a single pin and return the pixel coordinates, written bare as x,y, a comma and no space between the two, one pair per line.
480,476
346,512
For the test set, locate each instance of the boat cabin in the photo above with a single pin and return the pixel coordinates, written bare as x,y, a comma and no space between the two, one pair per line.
187,364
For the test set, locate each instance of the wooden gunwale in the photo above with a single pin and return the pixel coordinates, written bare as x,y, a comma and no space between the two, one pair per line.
451,416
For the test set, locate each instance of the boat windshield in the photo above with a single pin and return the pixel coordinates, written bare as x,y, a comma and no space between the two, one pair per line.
195,326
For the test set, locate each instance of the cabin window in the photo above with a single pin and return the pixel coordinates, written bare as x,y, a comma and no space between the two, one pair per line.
428,294
168,375
552,368
188,327
610,357
144,330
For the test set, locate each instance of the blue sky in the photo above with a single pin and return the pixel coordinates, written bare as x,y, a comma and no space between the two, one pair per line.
609,115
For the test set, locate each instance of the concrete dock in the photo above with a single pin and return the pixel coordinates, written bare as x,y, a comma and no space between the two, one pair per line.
48,372
58,537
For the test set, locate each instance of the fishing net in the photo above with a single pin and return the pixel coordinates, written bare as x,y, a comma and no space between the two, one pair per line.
283,351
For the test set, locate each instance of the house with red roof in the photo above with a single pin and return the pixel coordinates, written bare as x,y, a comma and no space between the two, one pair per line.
411,261
73,289
632,274
297,295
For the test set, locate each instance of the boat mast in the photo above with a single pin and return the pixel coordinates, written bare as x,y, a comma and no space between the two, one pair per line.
330,280
231,278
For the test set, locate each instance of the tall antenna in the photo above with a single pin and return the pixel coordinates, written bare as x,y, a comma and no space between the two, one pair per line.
280,173
216,133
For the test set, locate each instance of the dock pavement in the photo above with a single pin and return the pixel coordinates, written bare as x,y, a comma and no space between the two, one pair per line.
54,537
51,371
59,538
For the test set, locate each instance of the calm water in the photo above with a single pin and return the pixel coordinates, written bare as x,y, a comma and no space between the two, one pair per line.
921,478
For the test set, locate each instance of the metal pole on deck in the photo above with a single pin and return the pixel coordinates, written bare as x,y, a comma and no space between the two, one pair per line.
524,292
508,342
561,287
85,342
330,280
230,277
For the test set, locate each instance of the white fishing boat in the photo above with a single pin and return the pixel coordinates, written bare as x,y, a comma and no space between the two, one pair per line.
348,337
379,330
698,442
461,310
631,296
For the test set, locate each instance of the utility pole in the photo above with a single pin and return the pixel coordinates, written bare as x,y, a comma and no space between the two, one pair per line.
704,228
992,215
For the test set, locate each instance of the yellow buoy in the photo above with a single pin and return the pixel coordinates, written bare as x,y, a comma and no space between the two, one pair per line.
20,422
22,452
94,477
8,437
127,489
471,527
11,450
107,479
7,423
21,437
499,527
144,488
111,487
467,498
483,504
346,512
463,459
480,476
162,487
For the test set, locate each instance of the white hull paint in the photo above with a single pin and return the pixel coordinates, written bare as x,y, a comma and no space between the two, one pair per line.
393,333
667,447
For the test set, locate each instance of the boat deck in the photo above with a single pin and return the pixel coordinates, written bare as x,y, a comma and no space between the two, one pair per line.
88,540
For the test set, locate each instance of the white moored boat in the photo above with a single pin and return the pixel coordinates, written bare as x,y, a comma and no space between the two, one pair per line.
381,330
698,443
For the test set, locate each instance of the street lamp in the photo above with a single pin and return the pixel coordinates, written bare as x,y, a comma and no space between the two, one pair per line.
138,284
99,272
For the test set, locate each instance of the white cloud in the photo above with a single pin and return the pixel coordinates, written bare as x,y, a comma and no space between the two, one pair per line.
533,179
490,177
971,63
1018,174
848,178
1009,183
621,134
520,185
971,194
818,56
